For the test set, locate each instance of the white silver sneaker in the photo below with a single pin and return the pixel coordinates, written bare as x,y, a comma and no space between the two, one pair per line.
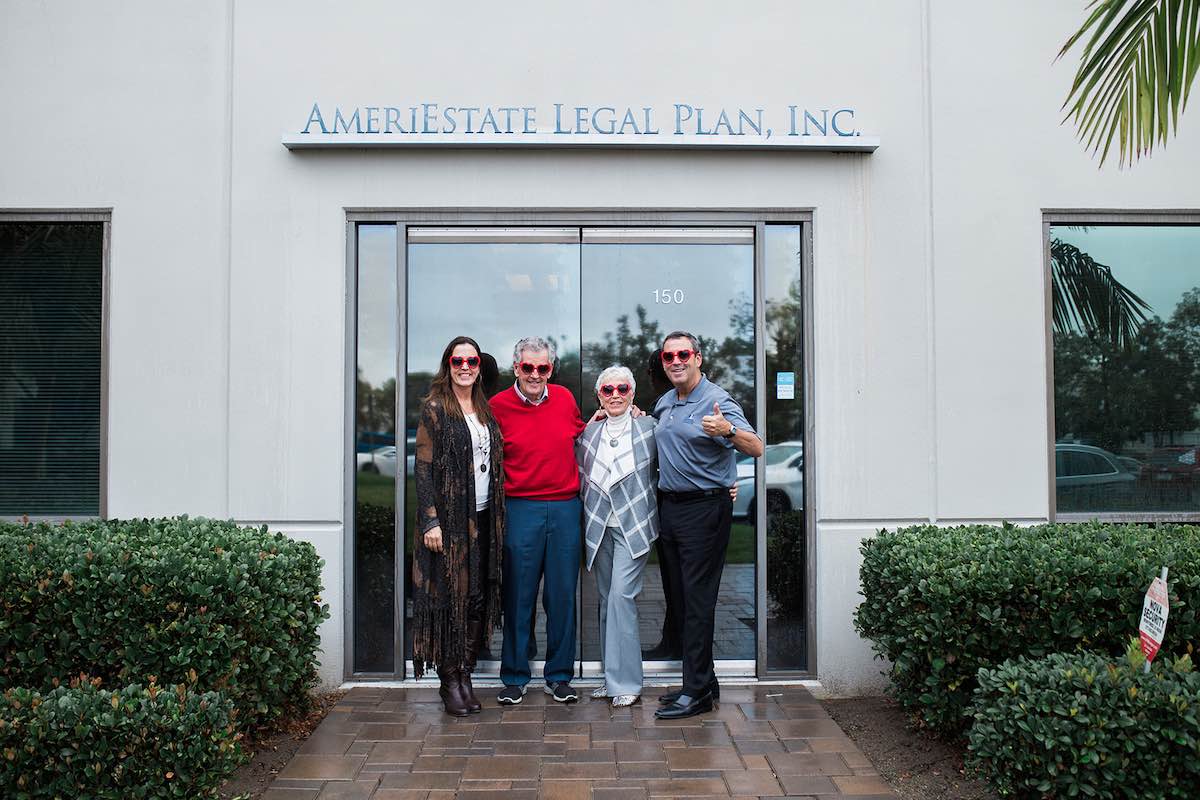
600,691
622,700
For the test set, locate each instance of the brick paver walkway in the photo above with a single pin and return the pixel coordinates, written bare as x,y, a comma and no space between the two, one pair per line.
397,744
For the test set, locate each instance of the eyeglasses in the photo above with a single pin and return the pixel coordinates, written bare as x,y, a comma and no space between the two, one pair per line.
608,389
457,361
684,356
541,369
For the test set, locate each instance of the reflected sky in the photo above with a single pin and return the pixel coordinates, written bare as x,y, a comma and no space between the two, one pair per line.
496,293
782,250
617,278
1157,262
377,335
707,289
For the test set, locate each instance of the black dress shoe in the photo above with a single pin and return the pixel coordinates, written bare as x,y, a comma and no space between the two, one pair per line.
714,689
686,706
663,652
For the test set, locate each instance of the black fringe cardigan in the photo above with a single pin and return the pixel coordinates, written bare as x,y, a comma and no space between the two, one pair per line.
444,470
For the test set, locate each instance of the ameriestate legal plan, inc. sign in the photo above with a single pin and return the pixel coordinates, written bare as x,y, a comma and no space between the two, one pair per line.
677,126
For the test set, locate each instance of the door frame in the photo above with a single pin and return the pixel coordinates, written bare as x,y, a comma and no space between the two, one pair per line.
405,217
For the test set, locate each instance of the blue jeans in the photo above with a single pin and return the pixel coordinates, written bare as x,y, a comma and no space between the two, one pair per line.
542,540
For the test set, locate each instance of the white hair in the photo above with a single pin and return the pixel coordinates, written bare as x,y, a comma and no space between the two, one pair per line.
619,373
534,344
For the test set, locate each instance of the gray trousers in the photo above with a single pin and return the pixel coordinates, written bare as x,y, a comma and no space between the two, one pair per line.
619,582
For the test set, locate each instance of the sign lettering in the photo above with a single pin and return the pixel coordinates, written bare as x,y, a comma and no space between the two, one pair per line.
1154,618
675,125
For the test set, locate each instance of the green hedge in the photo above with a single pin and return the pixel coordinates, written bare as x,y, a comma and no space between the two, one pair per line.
1080,725
87,742
940,603
194,601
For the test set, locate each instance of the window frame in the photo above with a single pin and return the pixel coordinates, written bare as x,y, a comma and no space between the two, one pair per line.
104,217
1108,218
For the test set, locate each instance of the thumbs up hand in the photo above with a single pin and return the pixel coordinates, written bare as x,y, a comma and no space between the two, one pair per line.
715,424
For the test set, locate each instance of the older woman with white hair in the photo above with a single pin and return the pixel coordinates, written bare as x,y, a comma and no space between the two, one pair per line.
618,476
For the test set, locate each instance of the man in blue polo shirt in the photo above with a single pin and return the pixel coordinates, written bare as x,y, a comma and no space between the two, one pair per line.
699,429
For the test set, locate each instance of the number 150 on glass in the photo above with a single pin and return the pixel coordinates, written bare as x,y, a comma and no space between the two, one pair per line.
668,296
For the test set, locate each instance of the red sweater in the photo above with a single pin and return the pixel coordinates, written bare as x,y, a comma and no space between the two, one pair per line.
539,444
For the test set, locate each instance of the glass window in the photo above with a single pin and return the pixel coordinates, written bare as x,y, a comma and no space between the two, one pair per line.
780,454
783,458
51,274
375,452
1126,327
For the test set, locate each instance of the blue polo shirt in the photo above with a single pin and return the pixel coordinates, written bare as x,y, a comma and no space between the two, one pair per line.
688,458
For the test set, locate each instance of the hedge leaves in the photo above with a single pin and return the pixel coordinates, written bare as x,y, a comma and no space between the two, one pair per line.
940,603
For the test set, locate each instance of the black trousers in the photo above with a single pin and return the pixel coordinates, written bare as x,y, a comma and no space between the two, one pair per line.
671,620
695,535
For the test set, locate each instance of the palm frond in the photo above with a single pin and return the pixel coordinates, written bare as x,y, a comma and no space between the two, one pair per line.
1134,77
1087,299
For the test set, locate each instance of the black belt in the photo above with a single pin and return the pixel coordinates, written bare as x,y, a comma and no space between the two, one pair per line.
696,495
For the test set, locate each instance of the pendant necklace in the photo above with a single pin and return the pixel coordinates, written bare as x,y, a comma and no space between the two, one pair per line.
614,436
484,450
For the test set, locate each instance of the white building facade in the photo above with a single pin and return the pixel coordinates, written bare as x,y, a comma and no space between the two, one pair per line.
877,291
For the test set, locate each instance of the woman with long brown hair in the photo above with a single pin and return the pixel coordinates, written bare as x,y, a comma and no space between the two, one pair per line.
459,533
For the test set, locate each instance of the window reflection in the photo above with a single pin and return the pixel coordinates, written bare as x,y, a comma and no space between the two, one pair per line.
634,294
783,459
1126,320
496,292
376,457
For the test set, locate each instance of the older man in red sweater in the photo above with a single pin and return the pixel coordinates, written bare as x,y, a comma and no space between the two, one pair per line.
539,422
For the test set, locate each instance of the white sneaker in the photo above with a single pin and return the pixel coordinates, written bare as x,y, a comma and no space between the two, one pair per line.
601,691
622,700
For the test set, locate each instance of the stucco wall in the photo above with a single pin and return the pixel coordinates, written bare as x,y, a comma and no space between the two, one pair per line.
227,293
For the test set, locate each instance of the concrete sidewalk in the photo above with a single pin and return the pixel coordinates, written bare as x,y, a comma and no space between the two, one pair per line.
397,744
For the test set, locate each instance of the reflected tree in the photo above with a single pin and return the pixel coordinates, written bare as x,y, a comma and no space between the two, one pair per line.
376,411
630,342
785,353
1110,393
1087,298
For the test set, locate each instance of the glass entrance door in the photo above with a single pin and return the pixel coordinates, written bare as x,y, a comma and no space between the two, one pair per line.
640,284
603,295
496,285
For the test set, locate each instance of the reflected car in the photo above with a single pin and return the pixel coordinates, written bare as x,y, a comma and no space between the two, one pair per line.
1078,466
1131,465
784,465
381,460
1177,464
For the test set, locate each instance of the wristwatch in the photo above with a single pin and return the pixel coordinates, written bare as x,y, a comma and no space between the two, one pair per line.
732,431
